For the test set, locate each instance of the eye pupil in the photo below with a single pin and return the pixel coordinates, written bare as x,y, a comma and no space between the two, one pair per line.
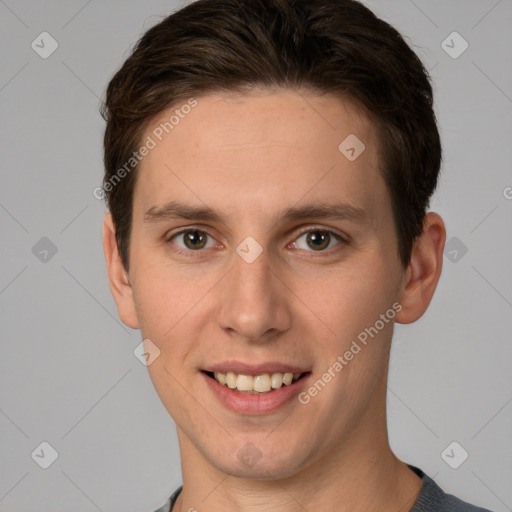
195,239
318,239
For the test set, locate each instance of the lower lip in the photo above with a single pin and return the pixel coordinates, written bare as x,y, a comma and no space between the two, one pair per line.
263,403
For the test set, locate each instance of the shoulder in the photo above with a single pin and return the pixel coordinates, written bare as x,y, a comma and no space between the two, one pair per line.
433,499
167,507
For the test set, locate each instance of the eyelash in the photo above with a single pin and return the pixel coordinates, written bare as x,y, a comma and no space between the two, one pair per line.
192,254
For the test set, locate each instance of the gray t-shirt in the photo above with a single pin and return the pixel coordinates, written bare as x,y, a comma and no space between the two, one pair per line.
430,499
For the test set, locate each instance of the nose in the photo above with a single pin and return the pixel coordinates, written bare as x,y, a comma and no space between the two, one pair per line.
254,303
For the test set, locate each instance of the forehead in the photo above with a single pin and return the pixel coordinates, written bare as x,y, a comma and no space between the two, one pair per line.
260,149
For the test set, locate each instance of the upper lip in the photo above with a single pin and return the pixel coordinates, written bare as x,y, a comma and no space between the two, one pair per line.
239,367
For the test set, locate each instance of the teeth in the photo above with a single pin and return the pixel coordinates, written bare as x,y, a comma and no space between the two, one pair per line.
230,380
221,377
277,380
259,384
262,383
287,378
244,383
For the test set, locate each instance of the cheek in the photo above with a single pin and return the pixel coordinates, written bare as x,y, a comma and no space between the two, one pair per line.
357,340
168,305
353,355
160,300
170,300
353,299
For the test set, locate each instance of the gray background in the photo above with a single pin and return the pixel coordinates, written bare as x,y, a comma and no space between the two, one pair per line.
68,373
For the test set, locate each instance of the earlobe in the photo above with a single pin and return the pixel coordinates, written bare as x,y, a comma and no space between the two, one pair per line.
424,270
118,278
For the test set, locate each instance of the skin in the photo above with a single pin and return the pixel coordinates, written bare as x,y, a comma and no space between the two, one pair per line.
249,157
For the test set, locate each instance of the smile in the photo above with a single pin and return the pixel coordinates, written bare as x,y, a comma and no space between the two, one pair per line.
258,384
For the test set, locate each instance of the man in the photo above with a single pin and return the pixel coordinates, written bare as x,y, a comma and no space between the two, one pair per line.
269,166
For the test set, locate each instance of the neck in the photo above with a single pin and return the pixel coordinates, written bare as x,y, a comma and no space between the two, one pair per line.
358,475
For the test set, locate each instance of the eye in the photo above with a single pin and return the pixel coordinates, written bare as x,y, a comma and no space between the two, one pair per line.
192,240
317,240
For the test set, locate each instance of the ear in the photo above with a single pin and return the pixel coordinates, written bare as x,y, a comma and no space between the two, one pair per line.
117,276
423,271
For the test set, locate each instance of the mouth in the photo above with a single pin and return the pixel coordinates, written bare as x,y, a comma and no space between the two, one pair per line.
255,389
261,384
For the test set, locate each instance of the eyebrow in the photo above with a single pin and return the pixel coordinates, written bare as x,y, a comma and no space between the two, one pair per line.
177,210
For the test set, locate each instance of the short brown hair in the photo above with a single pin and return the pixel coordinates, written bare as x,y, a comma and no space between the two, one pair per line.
330,46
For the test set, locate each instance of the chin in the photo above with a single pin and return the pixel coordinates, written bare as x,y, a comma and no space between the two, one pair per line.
261,470
258,459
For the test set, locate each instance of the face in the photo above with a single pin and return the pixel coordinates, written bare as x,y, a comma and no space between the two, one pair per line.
260,247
